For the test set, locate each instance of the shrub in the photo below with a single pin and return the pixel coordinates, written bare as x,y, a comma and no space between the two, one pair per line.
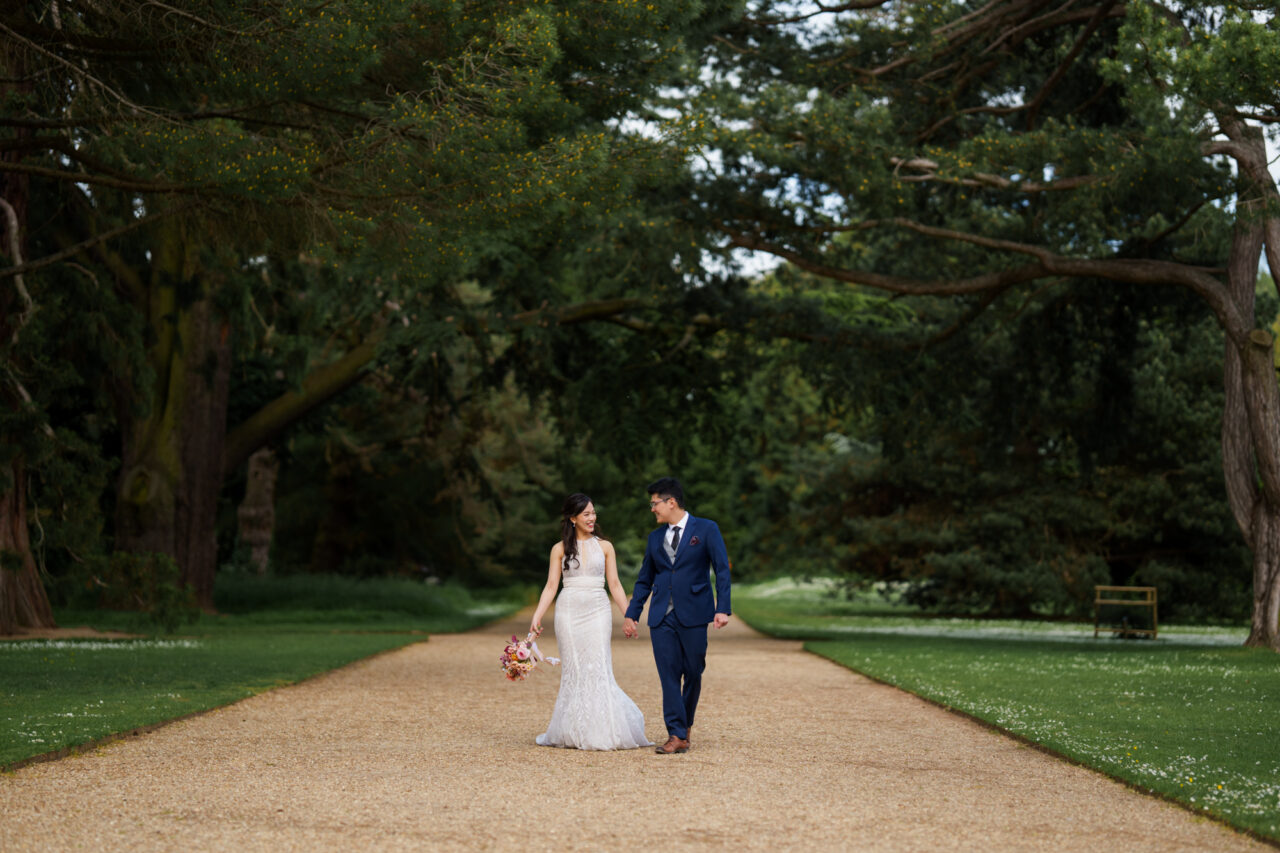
148,584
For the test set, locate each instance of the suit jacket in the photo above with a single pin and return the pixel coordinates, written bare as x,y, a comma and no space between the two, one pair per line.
687,580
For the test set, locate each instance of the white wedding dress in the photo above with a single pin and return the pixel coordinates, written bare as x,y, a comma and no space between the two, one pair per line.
591,710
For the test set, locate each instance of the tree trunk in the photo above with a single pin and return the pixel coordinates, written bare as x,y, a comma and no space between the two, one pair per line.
1261,398
1251,416
257,514
171,471
1264,628
23,602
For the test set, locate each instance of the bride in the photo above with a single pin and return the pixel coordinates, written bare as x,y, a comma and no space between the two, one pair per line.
591,711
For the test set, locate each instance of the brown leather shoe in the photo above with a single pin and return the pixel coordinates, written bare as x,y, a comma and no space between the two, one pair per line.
673,745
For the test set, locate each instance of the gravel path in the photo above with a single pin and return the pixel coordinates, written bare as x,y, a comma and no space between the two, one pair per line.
429,748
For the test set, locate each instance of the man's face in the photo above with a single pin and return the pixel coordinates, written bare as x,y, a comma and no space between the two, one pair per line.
665,510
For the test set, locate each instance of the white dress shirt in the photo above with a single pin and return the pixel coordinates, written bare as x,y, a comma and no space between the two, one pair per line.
683,524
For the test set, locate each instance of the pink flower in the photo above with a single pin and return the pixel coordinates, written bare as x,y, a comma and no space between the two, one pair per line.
522,653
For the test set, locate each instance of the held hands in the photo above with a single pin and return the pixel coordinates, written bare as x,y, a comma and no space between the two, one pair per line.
631,630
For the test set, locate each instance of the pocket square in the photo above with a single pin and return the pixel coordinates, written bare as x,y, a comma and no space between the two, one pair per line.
693,541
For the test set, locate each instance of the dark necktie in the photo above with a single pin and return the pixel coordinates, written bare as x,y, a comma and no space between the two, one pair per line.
675,538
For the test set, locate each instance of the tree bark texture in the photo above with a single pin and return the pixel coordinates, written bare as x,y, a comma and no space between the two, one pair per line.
1251,416
257,513
23,600
171,471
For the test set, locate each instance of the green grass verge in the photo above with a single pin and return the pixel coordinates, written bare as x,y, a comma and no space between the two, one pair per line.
1193,718
272,632
65,693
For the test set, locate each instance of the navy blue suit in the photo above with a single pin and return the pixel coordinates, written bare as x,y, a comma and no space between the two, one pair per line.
679,636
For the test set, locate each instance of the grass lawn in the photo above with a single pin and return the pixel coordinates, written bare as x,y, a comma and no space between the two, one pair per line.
1193,717
271,632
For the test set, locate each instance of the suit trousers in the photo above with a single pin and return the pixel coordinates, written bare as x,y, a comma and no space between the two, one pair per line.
681,655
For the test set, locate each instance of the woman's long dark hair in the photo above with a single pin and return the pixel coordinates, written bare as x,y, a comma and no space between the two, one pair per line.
573,506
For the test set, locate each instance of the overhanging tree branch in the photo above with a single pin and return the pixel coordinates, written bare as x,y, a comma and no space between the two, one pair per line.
823,9
1033,108
328,381
99,180
1133,271
319,387
928,172
75,70
93,241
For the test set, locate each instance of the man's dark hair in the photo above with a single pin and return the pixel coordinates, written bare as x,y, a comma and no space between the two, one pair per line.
668,487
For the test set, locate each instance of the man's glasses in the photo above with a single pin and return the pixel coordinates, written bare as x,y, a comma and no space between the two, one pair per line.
652,504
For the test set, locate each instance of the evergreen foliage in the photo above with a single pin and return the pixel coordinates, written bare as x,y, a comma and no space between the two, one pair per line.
1034,456
453,260
966,151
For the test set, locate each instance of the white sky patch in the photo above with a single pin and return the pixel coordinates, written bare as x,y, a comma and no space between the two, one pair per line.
752,264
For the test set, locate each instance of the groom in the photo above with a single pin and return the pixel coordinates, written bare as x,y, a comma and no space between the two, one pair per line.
677,560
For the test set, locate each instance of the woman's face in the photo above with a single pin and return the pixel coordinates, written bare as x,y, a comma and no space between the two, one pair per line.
585,521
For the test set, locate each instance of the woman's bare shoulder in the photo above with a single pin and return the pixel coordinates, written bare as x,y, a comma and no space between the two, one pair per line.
557,550
605,545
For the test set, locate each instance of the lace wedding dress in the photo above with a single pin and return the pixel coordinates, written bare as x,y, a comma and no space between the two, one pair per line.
591,710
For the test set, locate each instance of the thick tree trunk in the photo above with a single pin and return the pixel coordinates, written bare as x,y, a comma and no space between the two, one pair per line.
171,472
1251,428
23,602
257,513
1256,516
1264,628
1261,396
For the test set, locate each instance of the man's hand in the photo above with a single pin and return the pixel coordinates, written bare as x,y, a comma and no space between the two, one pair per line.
721,620
630,629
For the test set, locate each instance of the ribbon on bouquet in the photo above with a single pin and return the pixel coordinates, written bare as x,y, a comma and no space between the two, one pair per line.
536,652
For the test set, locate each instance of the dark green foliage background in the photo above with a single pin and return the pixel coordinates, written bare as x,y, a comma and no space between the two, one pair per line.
1036,456
978,457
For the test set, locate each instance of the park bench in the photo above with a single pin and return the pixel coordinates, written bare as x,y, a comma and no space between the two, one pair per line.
1124,596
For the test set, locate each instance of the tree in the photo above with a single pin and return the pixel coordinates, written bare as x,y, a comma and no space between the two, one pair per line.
178,144
1059,440
22,597
1007,143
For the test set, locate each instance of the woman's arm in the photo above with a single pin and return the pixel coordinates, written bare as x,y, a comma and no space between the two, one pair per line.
548,591
616,591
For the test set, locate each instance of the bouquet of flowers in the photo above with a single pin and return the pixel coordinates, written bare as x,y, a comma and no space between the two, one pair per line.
521,656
